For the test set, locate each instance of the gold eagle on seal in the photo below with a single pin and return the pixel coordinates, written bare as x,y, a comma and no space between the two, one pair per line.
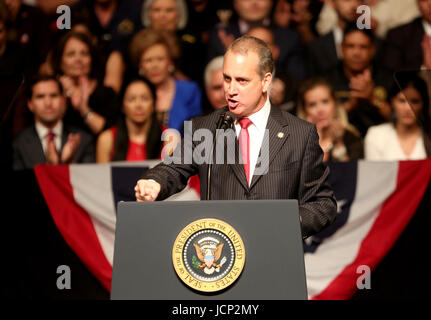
208,257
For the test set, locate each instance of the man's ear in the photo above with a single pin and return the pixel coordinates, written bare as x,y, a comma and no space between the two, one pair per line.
267,79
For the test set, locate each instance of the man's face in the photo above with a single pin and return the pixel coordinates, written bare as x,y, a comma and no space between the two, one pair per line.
245,90
253,10
215,91
358,51
425,9
47,103
346,9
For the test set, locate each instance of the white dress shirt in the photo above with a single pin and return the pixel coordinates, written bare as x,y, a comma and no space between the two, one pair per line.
43,131
256,132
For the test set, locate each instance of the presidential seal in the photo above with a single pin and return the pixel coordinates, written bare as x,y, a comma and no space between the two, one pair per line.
208,255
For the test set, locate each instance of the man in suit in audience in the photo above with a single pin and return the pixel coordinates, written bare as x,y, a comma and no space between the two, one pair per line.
49,140
325,51
281,157
408,46
256,13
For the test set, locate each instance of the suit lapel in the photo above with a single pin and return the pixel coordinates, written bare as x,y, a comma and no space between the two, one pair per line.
278,134
238,168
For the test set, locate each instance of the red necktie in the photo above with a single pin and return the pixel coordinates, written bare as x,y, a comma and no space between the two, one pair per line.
244,145
50,139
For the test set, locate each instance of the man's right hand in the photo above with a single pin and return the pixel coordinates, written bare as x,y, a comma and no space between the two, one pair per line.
147,190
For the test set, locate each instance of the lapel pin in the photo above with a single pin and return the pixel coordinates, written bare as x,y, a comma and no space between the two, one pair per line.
280,135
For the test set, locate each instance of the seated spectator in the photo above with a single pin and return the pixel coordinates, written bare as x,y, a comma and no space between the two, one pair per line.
325,51
214,80
28,27
252,13
361,85
49,140
91,105
172,16
111,69
153,52
13,62
385,14
405,137
114,22
408,46
284,86
298,15
339,140
137,135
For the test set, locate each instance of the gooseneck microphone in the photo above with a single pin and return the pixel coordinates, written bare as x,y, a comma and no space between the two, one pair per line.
225,122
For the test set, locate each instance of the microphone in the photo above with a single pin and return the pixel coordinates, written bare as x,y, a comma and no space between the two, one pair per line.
225,121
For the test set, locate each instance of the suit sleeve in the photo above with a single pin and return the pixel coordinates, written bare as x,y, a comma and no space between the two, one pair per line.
17,162
317,204
174,172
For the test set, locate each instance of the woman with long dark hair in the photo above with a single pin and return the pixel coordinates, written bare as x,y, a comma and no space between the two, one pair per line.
406,137
137,134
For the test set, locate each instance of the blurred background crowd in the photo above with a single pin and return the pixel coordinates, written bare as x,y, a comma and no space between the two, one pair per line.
126,70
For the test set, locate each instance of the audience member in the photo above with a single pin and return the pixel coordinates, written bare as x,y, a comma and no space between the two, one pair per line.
113,22
137,135
13,62
325,51
111,71
408,46
253,13
339,140
385,14
29,27
284,86
359,84
214,79
49,140
299,15
153,53
405,137
172,16
91,105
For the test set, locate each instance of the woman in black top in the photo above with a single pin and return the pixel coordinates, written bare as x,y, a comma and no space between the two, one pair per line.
91,105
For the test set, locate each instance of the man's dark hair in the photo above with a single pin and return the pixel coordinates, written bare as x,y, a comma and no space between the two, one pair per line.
352,27
40,78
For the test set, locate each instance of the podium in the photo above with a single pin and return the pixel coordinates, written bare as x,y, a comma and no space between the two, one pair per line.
157,251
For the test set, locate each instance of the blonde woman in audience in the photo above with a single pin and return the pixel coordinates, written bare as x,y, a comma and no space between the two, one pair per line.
339,140
153,53
405,137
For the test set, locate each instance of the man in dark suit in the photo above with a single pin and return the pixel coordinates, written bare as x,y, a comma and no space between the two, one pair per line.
408,46
49,140
256,13
325,51
281,157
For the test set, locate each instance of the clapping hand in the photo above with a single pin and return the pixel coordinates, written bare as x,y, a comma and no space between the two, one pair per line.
70,147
